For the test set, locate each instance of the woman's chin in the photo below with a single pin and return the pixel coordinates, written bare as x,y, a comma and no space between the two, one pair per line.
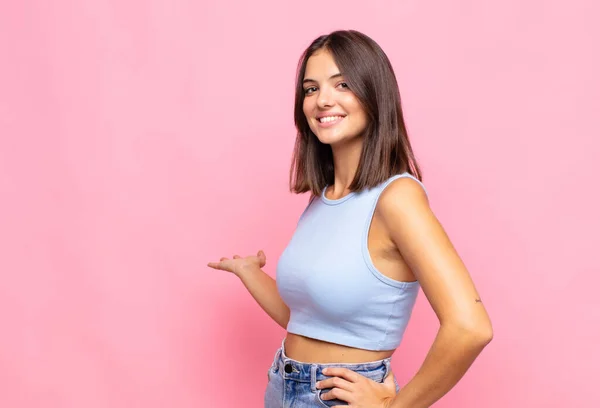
330,139
338,140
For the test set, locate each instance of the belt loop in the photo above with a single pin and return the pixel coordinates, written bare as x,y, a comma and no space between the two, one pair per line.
313,377
387,367
282,348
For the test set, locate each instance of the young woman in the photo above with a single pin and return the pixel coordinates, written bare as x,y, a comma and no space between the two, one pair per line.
367,241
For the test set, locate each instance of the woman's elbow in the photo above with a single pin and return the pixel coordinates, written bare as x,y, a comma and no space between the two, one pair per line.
479,333
484,334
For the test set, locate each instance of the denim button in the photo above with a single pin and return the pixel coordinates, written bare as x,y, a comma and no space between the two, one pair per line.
288,368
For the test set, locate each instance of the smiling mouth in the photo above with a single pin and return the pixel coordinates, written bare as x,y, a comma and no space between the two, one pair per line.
329,121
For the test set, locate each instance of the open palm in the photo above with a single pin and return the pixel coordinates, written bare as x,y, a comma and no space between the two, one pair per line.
238,265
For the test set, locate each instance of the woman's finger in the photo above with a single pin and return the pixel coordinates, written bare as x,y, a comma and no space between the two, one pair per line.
337,393
261,255
335,382
344,373
214,265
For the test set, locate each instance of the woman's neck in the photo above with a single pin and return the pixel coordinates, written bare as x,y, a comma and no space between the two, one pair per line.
345,163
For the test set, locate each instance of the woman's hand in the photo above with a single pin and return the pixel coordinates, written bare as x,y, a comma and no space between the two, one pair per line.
238,265
357,390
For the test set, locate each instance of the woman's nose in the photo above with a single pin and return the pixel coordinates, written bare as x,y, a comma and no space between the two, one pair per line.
325,98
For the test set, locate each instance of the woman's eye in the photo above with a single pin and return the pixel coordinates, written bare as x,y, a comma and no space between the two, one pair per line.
308,91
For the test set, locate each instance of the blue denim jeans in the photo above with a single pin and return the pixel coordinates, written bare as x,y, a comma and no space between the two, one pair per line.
292,383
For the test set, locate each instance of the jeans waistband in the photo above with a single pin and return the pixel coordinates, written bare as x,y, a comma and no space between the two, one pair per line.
291,369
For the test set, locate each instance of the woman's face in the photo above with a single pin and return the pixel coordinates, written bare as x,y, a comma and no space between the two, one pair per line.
333,112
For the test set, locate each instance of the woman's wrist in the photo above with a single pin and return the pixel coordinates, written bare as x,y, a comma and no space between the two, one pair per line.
247,270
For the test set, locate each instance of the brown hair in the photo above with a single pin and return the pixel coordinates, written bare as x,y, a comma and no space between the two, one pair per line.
386,149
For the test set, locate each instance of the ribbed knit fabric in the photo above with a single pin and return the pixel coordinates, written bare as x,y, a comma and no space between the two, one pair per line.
327,278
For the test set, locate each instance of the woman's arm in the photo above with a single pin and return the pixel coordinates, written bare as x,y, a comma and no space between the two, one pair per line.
465,328
264,290
260,285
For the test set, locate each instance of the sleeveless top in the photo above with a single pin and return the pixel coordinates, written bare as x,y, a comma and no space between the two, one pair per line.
326,276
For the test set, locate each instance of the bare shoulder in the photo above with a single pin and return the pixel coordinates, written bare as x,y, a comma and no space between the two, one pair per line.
403,196
404,209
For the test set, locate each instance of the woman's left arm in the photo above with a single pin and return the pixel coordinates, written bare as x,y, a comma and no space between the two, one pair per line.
465,328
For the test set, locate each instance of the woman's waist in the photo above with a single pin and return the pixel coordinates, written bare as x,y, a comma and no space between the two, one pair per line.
314,351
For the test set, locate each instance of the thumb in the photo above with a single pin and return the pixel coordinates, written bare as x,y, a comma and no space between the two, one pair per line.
389,380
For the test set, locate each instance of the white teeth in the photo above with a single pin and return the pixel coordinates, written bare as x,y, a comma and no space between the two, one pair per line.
329,119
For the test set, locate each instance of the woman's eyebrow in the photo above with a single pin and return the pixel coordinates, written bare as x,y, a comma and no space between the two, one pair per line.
331,77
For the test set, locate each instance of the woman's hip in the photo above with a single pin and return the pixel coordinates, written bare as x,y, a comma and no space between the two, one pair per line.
293,383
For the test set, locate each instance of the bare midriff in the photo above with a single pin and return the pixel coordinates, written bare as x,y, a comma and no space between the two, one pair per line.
308,350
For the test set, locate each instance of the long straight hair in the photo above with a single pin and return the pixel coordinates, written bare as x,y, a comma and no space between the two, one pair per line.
386,148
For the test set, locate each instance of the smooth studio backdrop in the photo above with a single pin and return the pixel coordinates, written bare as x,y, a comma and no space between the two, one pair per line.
140,140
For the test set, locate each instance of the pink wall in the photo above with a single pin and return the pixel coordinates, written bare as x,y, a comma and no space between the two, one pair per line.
140,140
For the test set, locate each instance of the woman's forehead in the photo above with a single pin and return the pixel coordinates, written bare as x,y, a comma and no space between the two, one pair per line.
321,66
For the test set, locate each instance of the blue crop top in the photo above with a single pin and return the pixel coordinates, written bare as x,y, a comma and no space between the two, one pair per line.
326,276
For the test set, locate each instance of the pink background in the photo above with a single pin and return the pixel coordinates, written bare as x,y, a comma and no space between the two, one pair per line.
140,140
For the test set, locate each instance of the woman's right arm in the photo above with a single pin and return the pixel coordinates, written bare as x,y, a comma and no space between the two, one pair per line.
263,289
260,285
